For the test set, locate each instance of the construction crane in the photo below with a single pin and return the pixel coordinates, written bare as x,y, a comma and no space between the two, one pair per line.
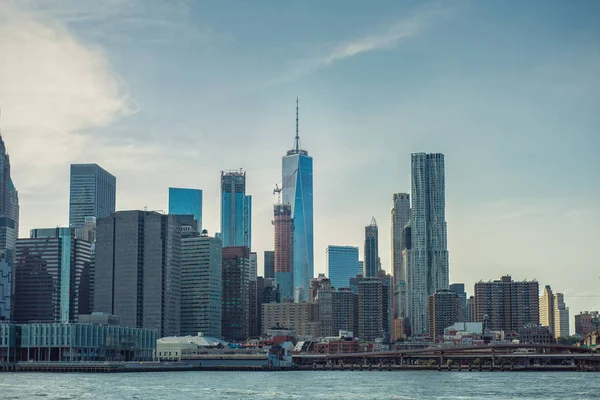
278,191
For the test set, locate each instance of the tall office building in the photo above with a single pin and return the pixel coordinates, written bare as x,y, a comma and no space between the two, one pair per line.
561,316
138,270
89,235
547,308
373,304
236,210
400,214
51,276
442,312
269,264
341,265
461,295
428,268
92,194
267,291
201,284
371,249
236,294
297,179
507,305
9,231
186,202
284,249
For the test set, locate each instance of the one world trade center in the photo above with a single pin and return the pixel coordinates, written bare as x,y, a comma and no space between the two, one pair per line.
297,180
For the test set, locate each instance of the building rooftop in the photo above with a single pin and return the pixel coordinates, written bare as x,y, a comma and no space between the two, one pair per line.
200,340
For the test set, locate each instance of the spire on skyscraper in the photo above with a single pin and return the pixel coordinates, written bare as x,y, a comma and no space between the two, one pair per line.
297,143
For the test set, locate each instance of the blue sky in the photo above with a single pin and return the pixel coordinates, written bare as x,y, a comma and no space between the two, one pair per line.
170,93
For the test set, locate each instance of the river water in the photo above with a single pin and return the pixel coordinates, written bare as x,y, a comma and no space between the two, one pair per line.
302,385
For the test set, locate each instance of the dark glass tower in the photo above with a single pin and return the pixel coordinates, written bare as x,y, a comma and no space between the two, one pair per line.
186,202
371,249
236,210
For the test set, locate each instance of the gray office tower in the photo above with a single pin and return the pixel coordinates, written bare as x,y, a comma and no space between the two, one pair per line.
427,267
201,284
400,214
92,194
371,249
138,270
51,277
459,289
236,210
9,231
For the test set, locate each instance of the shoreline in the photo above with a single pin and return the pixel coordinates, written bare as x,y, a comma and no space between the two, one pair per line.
116,367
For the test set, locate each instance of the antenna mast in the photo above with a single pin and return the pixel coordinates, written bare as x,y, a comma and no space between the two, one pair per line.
297,134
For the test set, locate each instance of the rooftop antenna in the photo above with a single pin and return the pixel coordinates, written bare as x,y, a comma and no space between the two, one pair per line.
297,135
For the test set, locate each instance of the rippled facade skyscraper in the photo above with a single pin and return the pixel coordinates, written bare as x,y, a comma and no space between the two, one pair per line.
427,269
297,179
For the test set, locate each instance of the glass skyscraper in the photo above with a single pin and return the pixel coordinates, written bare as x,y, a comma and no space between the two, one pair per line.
52,276
371,249
92,194
342,264
186,202
236,210
297,180
9,231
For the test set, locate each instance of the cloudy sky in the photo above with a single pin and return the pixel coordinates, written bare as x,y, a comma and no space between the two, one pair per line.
170,93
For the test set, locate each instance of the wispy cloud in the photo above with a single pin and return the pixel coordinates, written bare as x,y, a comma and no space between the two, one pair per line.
403,29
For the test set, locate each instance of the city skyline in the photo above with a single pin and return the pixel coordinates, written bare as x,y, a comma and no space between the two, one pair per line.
487,196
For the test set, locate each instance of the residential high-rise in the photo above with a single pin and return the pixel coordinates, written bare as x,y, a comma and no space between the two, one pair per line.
461,295
341,265
138,270
400,214
9,231
236,293
51,277
428,268
186,202
297,180
324,300
371,249
442,312
373,303
201,284
547,308
301,317
269,264
92,193
344,304
507,305
284,249
236,210
561,316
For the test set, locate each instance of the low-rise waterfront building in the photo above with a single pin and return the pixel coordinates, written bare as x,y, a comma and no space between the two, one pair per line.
174,347
75,342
